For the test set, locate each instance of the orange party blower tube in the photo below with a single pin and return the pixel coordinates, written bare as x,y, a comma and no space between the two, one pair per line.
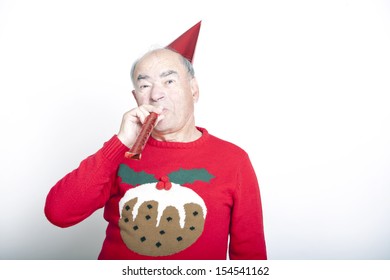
146,129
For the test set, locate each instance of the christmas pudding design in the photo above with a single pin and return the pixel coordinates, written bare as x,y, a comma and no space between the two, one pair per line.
161,217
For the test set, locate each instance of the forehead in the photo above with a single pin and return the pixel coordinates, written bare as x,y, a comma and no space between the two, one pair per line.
157,61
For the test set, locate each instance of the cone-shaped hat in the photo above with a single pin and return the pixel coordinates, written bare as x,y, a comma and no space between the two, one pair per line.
186,43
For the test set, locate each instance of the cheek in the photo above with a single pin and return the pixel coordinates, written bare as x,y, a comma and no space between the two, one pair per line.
141,99
182,103
185,109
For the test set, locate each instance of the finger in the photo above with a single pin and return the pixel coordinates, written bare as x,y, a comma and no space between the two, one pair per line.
147,109
150,108
142,113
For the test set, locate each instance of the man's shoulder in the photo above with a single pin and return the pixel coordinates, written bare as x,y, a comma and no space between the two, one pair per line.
223,144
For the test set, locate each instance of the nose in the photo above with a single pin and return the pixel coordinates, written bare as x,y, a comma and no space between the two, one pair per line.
157,93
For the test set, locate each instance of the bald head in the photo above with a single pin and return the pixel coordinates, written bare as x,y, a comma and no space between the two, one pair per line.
165,53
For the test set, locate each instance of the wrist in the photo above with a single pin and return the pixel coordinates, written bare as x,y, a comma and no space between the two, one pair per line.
123,139
114,149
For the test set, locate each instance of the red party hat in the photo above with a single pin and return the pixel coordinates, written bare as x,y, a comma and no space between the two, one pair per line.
186,43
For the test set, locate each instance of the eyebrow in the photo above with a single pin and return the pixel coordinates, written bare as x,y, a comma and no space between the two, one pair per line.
162,75
142,77
167,73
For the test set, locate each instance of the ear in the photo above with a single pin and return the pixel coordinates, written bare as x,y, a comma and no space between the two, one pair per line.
194,89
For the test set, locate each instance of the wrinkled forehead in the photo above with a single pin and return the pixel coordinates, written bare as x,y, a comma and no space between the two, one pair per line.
157,61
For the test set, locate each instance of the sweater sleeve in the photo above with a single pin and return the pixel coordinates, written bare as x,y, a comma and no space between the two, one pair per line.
247,239
85,189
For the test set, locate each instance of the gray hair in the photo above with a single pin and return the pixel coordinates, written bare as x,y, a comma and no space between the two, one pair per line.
187,64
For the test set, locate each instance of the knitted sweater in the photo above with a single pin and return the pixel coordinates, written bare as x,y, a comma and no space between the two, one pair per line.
180,201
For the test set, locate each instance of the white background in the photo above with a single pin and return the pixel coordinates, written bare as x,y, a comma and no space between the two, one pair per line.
302,86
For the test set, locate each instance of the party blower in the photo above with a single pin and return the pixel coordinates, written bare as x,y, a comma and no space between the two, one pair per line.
135,151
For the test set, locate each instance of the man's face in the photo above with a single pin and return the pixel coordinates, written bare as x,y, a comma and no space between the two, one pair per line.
161,79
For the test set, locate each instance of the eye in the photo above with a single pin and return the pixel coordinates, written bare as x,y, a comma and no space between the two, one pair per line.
171,81
143,86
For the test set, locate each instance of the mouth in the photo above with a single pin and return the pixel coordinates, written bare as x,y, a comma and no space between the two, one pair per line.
164,111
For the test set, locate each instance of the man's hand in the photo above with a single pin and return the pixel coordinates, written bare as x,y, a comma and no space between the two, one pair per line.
132,122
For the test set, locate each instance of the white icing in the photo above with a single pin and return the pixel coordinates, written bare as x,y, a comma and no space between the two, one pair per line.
177,197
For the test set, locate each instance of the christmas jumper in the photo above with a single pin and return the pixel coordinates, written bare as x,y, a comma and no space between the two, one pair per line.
180,201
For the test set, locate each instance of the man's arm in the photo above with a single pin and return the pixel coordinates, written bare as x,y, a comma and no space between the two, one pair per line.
87,188
246,229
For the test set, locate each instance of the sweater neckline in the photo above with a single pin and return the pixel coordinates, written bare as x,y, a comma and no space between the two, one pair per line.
181,145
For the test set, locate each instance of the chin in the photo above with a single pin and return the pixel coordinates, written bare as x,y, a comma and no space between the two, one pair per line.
161,126
165,127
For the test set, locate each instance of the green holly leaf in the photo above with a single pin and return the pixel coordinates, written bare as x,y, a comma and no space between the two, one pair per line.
183,176
131,177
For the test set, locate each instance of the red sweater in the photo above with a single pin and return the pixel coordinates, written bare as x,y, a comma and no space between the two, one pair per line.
180,201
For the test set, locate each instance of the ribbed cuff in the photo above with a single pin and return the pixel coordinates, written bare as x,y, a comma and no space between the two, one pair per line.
114,150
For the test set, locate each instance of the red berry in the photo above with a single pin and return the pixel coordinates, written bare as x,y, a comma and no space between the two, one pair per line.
168,186
160,185
164,178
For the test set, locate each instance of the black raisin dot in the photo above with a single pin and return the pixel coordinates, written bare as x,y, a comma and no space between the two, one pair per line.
127,207
135,227
149,206
143,238
195,213
179,238
158,244
147,217
192,228
169,219
162,232
126,220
